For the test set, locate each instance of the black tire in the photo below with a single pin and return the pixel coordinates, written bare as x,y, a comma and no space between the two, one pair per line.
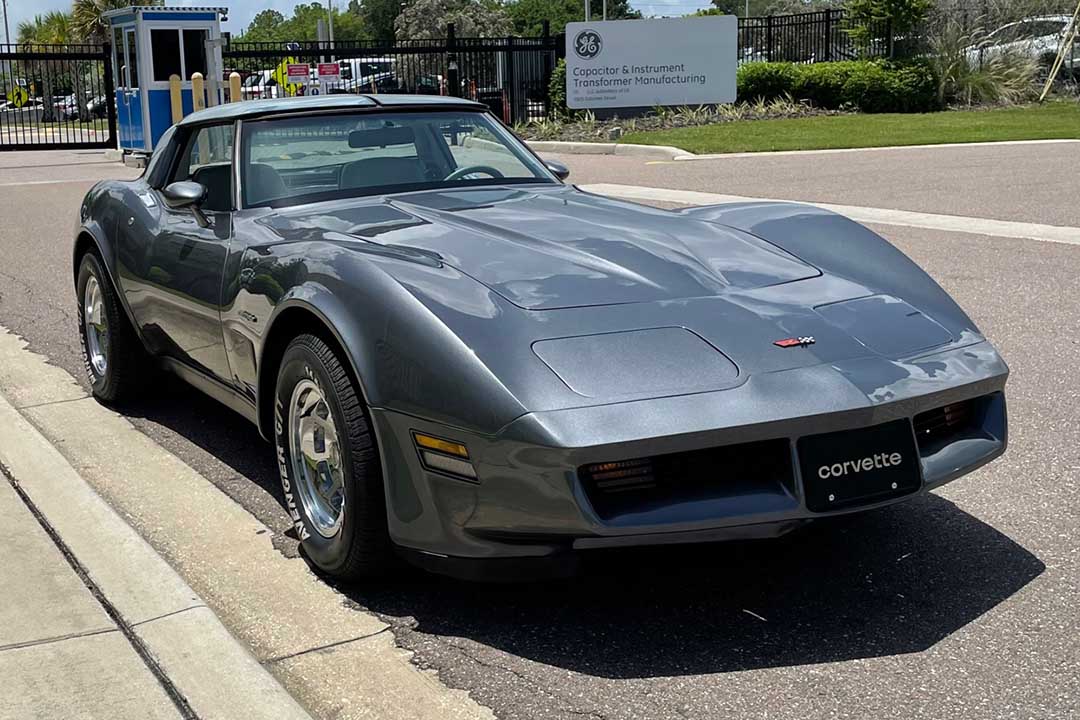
127,364
361,546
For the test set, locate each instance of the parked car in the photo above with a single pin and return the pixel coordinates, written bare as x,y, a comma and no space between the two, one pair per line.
1037,37
368,75
465,362
260,84
98,106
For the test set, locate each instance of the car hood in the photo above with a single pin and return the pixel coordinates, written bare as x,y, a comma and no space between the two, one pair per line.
544,248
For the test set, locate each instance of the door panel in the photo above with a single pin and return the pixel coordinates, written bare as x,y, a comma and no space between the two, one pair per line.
175,291
128,97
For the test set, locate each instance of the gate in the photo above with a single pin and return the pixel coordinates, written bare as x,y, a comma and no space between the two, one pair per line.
510,75
56,97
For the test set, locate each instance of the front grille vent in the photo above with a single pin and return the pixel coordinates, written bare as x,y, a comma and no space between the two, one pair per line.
612,477
645,484
940,424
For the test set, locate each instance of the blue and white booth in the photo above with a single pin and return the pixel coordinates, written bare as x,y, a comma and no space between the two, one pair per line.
151,43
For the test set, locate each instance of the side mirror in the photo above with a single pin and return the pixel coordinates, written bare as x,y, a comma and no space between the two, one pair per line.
557,169
187,194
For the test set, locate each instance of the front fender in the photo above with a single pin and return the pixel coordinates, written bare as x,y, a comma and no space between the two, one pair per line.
96,229
404,356
842,247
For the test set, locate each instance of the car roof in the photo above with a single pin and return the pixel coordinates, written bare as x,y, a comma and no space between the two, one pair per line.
314,103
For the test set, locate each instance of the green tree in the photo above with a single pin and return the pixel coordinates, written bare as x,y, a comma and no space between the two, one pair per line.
528,15
87,22
52,28
472,18
708,12
903,16
271,26
378,17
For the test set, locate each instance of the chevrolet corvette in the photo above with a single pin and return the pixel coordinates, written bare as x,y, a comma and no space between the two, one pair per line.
464,361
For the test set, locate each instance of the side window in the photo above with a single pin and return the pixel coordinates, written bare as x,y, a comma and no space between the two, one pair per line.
194,52
165,52
207,159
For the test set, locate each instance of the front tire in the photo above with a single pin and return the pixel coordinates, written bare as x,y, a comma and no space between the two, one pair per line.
329,464
116,362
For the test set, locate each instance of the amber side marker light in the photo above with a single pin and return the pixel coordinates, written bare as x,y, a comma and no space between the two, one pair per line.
444,455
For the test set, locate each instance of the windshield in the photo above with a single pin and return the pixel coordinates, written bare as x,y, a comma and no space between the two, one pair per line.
290,161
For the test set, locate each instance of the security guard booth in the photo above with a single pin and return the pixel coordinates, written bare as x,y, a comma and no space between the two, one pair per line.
150,43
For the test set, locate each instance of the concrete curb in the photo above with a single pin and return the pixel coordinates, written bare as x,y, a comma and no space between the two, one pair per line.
211,669
649,152
335,659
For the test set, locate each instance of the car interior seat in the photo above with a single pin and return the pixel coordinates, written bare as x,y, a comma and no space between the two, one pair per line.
382,171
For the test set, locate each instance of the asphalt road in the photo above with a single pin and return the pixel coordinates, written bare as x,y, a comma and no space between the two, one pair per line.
1022,182
961,604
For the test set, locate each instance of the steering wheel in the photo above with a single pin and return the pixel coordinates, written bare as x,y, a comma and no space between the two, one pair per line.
462,172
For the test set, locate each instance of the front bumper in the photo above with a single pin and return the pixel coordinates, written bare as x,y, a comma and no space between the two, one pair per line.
531,502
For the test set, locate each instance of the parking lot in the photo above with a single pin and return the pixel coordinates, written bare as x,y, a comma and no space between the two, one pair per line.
960,604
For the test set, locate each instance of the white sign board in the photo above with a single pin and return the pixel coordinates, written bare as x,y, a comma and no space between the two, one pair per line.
298,73
644,63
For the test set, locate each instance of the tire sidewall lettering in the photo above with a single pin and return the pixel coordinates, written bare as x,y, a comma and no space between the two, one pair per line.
284,459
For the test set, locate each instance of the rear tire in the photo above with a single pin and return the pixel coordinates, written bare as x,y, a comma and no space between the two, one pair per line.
329,463
116,363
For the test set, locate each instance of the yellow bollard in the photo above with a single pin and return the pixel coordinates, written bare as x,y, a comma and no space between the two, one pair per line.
234,87
198,92
174,99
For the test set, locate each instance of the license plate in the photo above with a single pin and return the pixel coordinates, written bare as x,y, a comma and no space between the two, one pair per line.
859,467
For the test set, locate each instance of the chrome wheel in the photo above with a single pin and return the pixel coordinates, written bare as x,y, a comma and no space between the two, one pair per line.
315,449
97,326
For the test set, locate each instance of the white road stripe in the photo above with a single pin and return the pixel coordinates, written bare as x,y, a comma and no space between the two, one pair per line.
57,182
877,216
886,148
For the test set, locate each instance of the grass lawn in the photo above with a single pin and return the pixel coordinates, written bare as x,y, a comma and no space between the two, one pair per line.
1054,120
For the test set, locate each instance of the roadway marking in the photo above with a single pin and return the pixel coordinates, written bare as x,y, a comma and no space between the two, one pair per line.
58,182
876,216
689,157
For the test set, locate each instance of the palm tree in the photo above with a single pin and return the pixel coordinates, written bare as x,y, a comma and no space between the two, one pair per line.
87,20
52,28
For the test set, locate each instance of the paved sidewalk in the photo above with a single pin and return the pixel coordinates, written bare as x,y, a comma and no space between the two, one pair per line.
93,622
61,655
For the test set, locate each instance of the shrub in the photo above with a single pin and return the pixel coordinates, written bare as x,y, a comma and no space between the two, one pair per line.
987,74
557,90
870,86
823,83
765,80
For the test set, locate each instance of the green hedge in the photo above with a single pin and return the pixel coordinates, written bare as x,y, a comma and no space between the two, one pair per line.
557,89
868,85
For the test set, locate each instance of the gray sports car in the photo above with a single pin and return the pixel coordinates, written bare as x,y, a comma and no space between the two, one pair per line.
466,362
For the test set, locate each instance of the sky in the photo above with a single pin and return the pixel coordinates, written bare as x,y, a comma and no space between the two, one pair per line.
241,11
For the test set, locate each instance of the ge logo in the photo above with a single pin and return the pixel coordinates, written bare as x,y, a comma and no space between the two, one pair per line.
588,44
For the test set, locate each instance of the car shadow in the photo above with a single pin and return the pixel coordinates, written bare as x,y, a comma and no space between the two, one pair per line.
887,582
217,431
892,581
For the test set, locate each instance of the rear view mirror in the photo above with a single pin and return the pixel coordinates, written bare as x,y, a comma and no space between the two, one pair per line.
557,169
187,194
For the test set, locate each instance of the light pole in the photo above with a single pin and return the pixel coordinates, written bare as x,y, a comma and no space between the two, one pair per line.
330,14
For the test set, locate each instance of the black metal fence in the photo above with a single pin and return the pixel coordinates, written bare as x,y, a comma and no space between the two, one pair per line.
63,97
820,36
510,75
56,96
